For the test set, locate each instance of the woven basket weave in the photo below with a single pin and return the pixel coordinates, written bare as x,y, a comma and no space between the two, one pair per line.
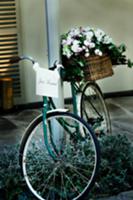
97,67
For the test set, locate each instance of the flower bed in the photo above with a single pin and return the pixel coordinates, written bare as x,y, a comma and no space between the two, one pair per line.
115,174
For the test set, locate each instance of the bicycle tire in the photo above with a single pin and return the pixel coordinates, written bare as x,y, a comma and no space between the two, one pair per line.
76,152
94,109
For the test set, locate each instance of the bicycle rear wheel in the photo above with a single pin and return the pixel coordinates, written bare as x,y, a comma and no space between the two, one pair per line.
94,110
72,172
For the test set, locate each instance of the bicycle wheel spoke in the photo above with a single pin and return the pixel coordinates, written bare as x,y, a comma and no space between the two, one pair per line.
48,186
48,178
84,178
63,188
71,183
72,171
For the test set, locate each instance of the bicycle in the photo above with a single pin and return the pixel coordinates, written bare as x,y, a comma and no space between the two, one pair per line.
59,153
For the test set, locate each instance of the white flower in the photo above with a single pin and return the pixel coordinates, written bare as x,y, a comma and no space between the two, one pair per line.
63,42
98,52
89,44
89,35
67,41
76,42
74,32
84,39
86,43
86,29
84,47
92,45
86,50
107,40
76,46
99,34
87,54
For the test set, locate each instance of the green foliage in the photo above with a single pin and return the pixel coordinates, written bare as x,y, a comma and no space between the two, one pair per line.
130,63
116,167
11,182
115,174
74,71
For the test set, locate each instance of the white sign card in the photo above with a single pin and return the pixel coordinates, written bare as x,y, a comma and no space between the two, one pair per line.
47,82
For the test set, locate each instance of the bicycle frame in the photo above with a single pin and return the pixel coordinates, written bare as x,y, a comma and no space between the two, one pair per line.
48,104
44,113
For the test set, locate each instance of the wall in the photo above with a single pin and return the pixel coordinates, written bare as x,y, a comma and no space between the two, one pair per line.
32,42
113,16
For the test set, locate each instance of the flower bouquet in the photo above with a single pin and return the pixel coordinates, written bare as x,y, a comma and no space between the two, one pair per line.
89,54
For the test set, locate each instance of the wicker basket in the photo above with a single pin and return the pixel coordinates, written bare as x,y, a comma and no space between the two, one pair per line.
97,67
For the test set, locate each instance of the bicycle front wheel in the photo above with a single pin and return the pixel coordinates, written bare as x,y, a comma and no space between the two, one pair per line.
68,175
94,110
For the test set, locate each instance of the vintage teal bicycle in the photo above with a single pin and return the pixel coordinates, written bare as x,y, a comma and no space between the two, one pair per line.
59,153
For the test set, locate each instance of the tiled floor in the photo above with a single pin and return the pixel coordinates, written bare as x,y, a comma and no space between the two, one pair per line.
121,113
12,126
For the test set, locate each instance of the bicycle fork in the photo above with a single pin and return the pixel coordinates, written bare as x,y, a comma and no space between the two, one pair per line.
45,131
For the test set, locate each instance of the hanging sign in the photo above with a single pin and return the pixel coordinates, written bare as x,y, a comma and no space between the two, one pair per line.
47,82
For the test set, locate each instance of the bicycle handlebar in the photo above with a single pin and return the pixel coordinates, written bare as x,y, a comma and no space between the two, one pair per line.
16,59
19,58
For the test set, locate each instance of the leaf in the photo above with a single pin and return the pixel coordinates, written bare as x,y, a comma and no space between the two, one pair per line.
129,63
122,48
81,63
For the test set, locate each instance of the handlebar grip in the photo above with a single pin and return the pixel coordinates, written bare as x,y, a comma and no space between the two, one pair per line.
15,59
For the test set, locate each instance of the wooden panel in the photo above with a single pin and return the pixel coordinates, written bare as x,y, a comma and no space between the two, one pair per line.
9,43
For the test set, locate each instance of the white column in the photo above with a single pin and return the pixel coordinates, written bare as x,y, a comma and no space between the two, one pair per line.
53,38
